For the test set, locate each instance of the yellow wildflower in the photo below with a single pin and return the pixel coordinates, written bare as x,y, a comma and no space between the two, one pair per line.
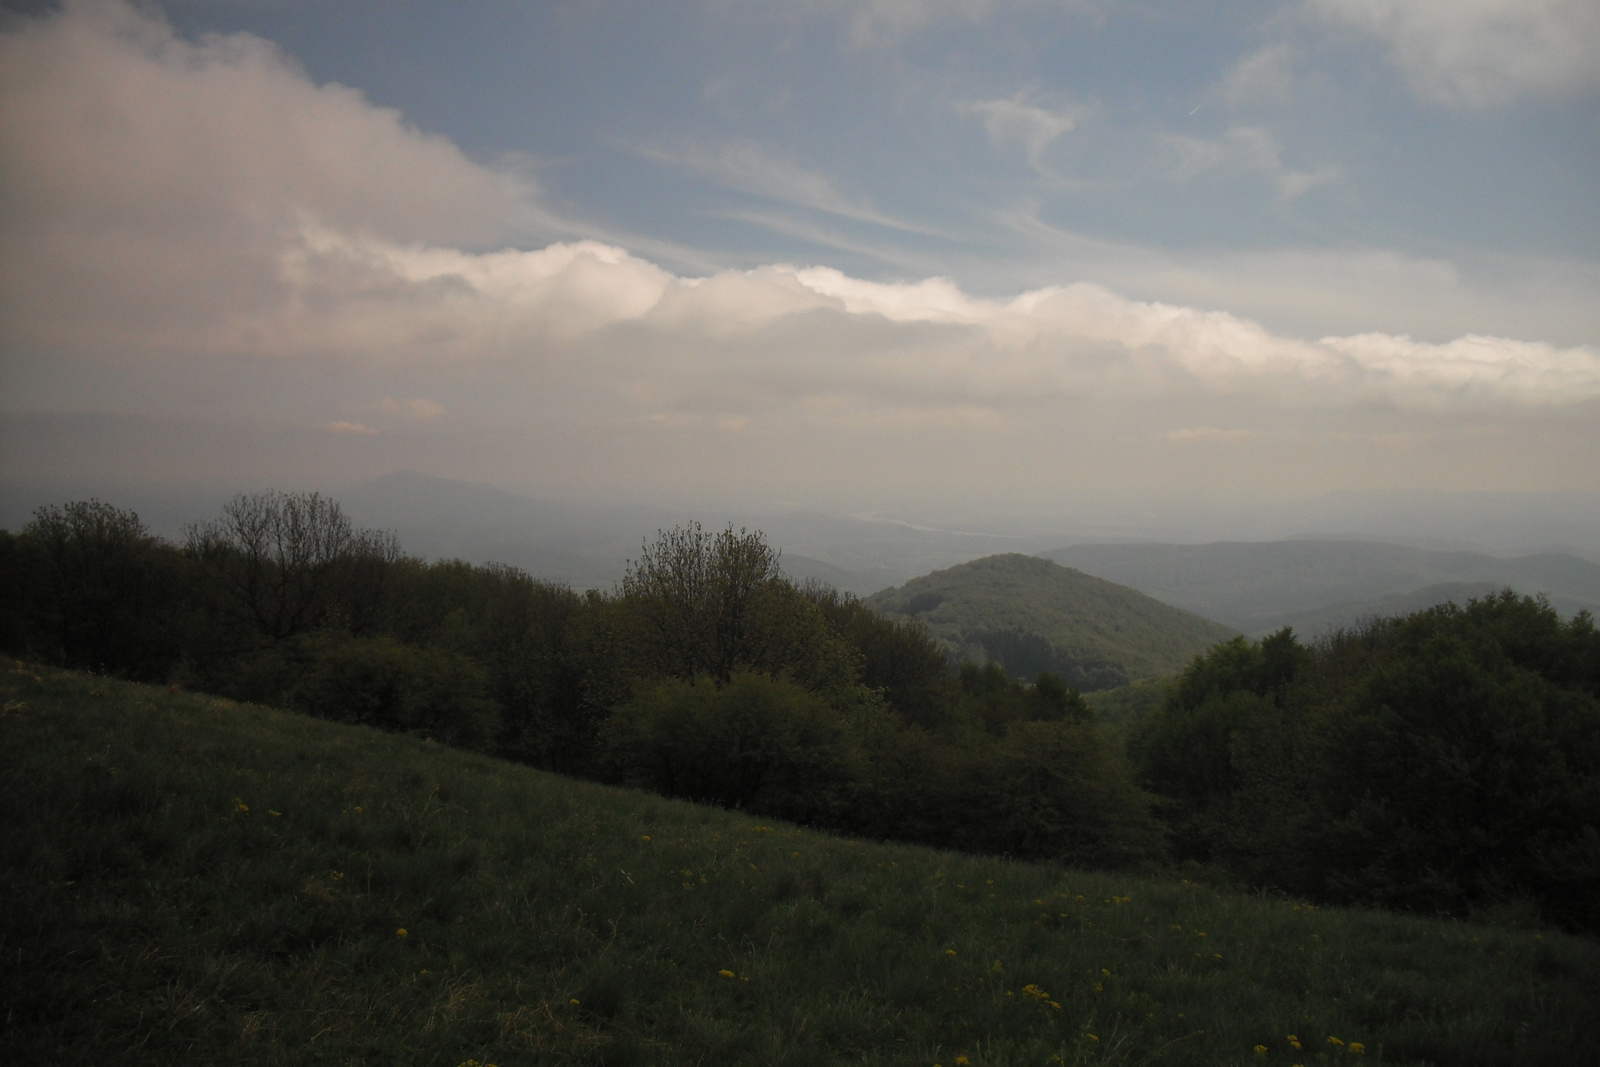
1261,1050
1294,1042
575,1002
949,952
402,933
1357,1048
646,837
240,806
726,973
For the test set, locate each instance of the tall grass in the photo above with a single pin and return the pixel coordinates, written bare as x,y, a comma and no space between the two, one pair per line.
188,880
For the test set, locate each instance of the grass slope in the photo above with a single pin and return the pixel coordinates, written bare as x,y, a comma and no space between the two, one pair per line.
1087,620
192,881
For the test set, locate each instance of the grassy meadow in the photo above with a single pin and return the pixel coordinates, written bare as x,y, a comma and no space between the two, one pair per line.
191,881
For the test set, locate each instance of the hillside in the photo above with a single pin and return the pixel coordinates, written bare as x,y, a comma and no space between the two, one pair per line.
1031,614
192,880
1317,585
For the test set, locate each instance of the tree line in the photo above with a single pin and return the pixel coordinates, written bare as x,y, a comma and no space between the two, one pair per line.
1445,762
706,674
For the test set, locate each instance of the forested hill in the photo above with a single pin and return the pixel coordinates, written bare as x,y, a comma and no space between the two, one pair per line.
1032,615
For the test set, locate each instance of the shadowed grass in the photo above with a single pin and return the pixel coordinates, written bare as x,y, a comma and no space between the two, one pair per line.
190,880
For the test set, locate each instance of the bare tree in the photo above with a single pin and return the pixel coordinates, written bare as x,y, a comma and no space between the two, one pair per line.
292,559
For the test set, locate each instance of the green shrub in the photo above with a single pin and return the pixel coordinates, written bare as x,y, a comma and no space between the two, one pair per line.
756,742
381,682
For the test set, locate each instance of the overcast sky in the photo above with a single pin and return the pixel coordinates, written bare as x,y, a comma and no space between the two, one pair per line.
936,253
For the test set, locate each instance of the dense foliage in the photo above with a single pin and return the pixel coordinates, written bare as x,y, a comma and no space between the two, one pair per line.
1448,761
707,675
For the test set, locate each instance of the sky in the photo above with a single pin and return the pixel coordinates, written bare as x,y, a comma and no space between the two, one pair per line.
958,255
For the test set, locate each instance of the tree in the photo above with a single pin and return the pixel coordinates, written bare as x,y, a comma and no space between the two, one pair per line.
707,605
290,561
108,605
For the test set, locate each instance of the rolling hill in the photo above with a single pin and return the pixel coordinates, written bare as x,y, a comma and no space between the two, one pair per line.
190,880
1031,615
1260,586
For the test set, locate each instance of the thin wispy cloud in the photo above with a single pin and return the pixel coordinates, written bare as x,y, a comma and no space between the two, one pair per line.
1248,151
751,168
1480,53
1019,120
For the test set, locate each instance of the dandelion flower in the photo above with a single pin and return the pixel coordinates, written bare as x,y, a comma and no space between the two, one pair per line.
949,952
1335,1041
1091,1037
1357,1048
240,806
402,933
1261,1050
575,1002
646,837
962,1061
726,973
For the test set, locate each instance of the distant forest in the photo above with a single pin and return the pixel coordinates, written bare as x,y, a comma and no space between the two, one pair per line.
1444,762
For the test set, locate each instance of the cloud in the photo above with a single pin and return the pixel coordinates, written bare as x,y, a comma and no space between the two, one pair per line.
202,225
871,23
1208,434
418,408
750,168
1481,53
1244,150
1263,77
164,173
1019,121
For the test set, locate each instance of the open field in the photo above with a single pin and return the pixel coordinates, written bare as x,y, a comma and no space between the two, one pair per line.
188,880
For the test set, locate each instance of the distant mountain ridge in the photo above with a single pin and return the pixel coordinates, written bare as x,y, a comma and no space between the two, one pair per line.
1031,614
1318,585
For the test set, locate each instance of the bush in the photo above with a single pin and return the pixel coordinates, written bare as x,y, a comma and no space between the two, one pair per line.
381,682
757,743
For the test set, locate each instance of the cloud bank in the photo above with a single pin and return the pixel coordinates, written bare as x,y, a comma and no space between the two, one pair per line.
180,211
